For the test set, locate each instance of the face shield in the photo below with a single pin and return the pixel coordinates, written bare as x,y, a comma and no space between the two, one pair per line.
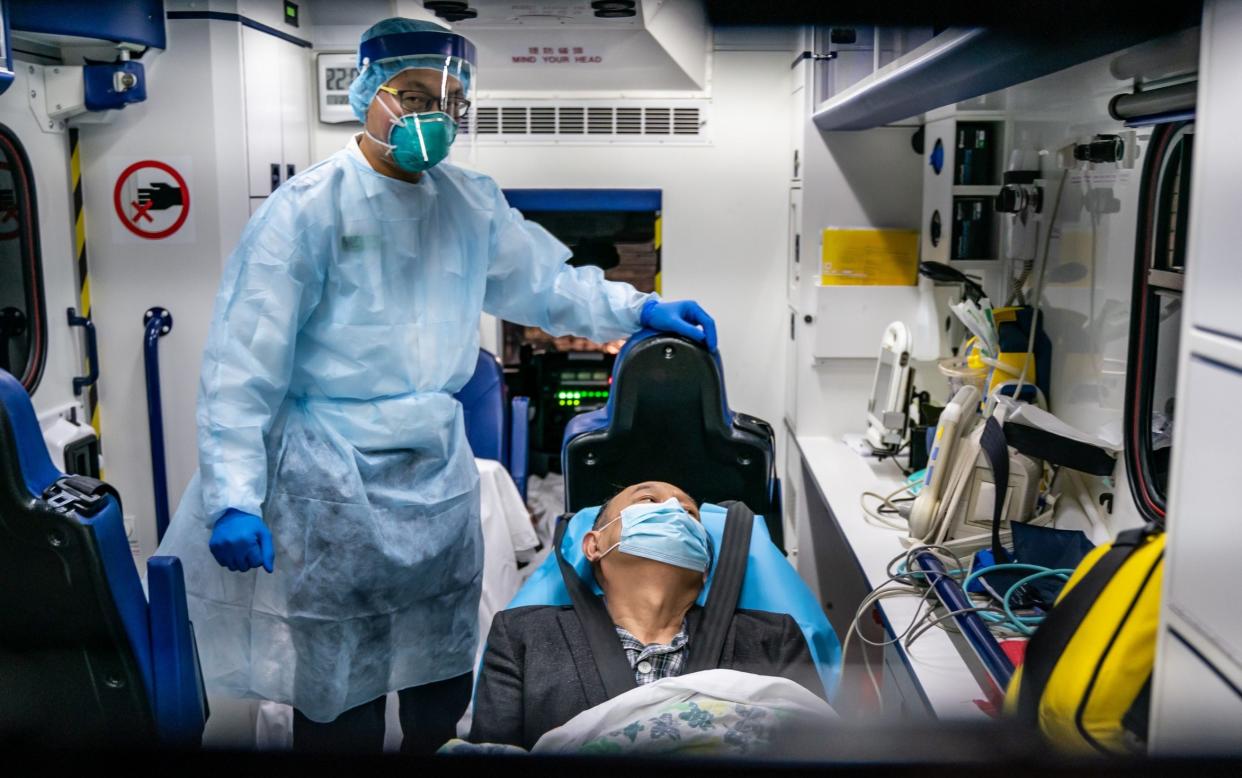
422,77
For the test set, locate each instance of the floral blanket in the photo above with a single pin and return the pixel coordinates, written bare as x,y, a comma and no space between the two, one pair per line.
711,713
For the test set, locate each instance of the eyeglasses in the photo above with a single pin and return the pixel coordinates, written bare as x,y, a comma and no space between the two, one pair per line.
421,102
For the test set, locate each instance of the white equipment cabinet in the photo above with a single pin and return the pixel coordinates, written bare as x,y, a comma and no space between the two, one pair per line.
228,99
1197,702
276,85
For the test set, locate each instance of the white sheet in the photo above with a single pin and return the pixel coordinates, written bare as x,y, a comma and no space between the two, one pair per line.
714,713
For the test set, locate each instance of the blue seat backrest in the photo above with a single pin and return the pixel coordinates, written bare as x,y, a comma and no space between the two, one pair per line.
668,419
52,568
771,584
483,404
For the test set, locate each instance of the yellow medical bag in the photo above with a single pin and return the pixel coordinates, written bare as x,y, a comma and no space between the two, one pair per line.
1086,678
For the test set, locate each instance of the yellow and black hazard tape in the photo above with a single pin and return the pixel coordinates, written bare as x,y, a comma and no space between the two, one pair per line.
84,276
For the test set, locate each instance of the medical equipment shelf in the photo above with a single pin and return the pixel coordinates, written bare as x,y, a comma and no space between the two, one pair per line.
939,673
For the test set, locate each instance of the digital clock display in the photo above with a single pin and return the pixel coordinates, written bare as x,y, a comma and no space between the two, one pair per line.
338,79
336,71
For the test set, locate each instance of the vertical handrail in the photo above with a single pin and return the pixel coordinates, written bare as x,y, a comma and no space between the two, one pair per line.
158,323
92,352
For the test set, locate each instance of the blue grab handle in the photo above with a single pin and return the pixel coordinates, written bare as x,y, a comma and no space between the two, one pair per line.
92,352
158,324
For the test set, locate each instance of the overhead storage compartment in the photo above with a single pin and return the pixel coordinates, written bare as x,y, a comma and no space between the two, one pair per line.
961,63
564,47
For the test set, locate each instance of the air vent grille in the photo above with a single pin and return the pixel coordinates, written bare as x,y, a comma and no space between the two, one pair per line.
542,120
513,120
488,120
572,120
633,122
599,121
686,121
657,121
629,121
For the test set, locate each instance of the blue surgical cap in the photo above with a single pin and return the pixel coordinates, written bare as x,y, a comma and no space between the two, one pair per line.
387,48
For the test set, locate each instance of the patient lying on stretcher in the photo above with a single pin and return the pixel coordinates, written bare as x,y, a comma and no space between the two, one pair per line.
650,555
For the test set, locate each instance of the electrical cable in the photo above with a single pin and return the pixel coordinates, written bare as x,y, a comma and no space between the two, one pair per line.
902,561
902,582
869,601
1020,623
886,500
1038,289
938,620
1016,297
908,587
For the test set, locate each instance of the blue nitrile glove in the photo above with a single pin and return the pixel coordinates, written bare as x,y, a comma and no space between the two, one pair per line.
242,541
683,317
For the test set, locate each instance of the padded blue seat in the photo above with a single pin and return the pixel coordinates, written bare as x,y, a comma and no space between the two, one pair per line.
87,659
771,584
496,429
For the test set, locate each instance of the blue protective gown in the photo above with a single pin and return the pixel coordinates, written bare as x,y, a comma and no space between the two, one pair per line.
346,319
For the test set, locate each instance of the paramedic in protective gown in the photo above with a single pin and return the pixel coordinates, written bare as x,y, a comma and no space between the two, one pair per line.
330,537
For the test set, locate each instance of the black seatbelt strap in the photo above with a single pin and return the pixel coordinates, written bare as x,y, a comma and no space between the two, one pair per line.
601,634
708,641
1059,450
1048,644
996,449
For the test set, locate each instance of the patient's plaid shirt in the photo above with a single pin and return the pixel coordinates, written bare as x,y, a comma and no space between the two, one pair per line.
655,661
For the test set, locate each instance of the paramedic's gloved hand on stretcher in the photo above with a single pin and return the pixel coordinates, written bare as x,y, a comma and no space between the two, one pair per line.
683,317
241,541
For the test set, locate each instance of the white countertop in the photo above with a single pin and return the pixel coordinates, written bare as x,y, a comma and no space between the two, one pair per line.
841,475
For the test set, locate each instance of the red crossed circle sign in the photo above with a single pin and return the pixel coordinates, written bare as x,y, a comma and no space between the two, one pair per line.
134,213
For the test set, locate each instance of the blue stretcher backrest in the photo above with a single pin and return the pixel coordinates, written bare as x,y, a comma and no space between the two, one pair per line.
483,405
85,658
668,419
771,584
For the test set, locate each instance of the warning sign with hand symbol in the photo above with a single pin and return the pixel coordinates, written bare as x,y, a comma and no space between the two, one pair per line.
160,195
152,201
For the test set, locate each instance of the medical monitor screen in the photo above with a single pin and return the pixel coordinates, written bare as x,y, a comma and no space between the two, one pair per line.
883,387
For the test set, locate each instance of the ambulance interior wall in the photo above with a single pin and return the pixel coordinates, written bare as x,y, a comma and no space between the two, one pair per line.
180,273
48,154
1086,306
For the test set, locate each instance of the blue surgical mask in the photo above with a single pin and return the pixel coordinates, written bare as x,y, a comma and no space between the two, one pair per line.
418,141
664,532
